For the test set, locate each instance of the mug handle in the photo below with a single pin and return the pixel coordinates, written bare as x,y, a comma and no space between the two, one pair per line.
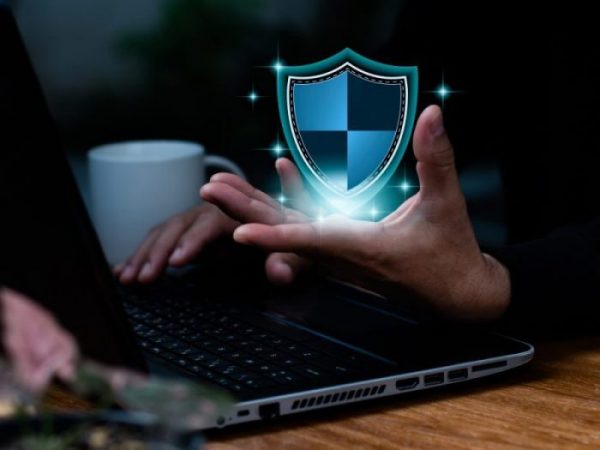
225,164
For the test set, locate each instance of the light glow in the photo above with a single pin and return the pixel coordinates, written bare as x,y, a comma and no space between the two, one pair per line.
277,148
252,96
443,91
277,65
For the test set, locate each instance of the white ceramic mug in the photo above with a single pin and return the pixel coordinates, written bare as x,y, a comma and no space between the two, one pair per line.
136,185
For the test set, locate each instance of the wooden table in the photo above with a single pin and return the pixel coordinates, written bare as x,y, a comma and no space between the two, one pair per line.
554,402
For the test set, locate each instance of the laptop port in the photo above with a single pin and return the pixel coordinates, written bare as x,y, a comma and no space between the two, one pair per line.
433,379
489,366
268,411
243,413
458,374
407,384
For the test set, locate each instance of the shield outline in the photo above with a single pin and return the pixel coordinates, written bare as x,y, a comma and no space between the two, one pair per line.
348,58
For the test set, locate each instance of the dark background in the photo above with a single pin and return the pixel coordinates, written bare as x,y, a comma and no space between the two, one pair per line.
116,70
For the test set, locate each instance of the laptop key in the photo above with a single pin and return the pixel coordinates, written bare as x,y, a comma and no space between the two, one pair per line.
230,338
236,356
289,362
284,377
230,370
263,337
310,371
215,363
167,355
224,382
343,370
174,346
274,356
249,361
199,356
244,343
278,342
258,383
265,368
182,362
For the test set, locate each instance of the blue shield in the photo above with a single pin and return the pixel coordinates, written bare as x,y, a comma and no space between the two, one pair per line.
347,121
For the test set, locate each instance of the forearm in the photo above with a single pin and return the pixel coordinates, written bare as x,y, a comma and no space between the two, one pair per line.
555,281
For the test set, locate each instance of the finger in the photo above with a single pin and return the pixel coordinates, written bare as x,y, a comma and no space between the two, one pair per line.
292,185
118,269
195,238
158,254
334,238
244,187
240,206
134,264
283,268
435,156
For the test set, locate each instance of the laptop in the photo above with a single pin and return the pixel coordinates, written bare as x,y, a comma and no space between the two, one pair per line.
278,352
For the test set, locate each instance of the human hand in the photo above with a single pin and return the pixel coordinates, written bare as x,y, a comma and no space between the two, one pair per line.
181,238
175,242
35,343
244,203
427,245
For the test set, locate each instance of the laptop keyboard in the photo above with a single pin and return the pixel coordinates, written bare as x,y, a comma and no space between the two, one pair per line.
211,341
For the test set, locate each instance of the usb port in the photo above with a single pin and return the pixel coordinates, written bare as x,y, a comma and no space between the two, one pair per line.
434,378
407,384
458,374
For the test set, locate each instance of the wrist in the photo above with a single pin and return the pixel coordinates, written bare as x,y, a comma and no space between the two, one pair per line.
495,289
482,294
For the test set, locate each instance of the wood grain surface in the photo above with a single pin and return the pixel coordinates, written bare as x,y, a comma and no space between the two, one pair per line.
552,403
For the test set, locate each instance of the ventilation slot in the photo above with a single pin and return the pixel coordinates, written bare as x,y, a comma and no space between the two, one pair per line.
330,399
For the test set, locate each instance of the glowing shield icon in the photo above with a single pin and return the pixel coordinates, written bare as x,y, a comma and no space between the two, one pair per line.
347,120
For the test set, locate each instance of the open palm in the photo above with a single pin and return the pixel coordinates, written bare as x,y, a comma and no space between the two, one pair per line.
427,245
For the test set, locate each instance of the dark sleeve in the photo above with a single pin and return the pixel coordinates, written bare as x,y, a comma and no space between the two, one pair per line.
555,281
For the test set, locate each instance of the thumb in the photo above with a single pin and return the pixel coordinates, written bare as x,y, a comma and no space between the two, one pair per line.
435,156
284,268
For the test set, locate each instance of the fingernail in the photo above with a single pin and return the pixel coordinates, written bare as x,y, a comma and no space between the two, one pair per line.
240,235
146,271
128,272
177,254
284,272
437,125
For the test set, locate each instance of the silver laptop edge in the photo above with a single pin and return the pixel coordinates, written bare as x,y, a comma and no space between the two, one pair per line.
283,405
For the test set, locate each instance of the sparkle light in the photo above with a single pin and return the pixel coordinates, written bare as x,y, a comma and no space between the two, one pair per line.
443,91
282,198
252,96
405,186
277,148
374,212
277,65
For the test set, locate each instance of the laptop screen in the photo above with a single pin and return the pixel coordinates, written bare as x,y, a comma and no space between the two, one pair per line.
48,249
